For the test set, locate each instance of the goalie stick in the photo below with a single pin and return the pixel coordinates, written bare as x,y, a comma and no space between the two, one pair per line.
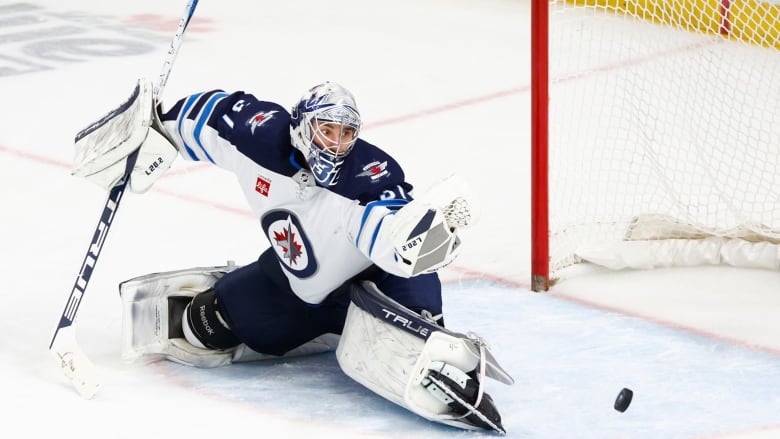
81,372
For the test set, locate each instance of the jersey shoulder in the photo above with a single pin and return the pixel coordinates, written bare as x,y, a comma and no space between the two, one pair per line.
259,129
369,174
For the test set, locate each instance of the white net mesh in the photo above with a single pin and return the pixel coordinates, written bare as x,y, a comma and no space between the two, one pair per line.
665,107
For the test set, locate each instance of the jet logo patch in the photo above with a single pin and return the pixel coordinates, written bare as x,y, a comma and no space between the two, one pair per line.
259,119
374,170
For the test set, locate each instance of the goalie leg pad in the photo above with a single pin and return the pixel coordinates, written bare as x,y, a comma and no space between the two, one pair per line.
392,351
381,356
369,298
153,306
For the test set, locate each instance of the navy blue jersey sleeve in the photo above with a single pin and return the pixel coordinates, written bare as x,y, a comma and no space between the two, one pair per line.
205,124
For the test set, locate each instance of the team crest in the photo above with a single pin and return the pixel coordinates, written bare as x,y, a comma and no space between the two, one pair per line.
374,170
292,247
259,119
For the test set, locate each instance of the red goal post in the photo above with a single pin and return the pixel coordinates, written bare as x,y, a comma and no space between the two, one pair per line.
655,134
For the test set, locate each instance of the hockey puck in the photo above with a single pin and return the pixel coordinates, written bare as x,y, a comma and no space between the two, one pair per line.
623,399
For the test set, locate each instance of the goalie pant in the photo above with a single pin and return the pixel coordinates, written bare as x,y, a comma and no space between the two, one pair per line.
385,346
260,309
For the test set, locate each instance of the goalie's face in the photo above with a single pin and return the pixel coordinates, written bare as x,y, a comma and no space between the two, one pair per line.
333,138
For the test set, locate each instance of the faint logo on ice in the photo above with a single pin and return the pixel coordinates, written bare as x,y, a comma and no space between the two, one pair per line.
36,39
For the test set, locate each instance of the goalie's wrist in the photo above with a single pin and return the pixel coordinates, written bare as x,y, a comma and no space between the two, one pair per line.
157,124
422,239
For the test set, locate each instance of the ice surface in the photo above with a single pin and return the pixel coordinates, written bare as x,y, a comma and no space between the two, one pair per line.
444,87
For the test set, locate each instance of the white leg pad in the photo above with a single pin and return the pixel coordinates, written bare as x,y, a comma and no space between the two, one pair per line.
145,318
145,321
393,363
384,359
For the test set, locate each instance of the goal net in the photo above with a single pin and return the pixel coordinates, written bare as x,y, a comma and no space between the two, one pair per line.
656,134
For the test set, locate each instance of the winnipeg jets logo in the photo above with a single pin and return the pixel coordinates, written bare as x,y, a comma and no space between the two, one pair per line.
290,250
292,247
259,119
374,170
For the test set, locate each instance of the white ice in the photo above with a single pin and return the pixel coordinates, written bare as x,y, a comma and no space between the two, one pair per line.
444,86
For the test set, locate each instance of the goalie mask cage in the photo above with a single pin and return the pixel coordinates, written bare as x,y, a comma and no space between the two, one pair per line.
655,124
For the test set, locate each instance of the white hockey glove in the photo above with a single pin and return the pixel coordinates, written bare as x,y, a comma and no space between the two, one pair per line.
104,150
425,231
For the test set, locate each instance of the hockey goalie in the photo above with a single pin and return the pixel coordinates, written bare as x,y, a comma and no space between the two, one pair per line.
352,257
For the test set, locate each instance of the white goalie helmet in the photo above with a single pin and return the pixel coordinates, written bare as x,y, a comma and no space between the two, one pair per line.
325,126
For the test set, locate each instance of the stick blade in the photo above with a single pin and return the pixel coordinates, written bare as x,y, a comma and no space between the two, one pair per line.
81,372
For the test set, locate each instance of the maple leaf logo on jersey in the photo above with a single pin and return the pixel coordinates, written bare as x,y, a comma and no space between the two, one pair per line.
290,243
374,170
291,250
259,119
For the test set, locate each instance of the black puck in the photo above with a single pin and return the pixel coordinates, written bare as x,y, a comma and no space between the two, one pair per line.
623,399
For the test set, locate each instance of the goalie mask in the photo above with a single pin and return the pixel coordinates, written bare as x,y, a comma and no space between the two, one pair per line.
325,126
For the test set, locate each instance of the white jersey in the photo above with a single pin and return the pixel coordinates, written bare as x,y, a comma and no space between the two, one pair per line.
322,236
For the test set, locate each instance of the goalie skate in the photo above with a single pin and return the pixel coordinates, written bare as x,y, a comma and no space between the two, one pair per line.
463,393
